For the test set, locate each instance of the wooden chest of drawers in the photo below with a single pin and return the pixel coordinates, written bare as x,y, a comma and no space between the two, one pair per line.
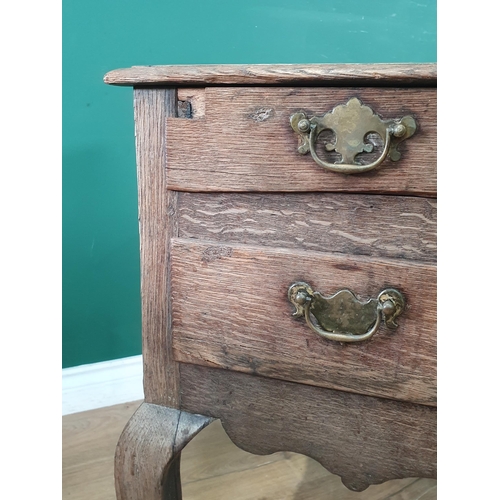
239,207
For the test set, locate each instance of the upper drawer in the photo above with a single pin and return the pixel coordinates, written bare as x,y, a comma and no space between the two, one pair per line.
240,139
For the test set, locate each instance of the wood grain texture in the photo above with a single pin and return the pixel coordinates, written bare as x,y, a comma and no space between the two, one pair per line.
88,447
373,225
245,142
230,309
157,224
294,477
363,439
193,100
276,74
147,460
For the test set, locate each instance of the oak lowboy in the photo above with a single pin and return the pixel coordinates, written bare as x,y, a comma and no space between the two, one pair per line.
288,256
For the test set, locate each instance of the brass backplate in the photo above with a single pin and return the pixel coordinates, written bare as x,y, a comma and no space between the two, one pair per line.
351,123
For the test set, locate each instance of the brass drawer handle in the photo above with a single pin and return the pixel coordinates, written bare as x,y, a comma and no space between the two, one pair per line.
342,316
351,123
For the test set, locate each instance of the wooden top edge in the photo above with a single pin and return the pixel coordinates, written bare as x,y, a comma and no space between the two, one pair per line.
276,74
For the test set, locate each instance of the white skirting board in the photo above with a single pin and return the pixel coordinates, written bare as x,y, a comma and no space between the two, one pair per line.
102,384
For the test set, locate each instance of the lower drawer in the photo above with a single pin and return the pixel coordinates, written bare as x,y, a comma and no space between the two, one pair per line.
230,310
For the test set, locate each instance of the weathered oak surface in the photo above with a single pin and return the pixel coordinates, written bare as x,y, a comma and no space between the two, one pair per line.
218,334
156,224
147,460
275,74
245,142
365,440
212,467
230,309
191,102
374,225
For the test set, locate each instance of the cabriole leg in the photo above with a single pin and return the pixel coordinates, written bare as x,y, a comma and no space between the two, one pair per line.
147,459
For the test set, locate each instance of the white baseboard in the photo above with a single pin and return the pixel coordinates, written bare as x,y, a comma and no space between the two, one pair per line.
103,384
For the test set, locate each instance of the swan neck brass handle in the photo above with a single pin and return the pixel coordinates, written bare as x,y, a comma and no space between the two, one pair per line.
342,316
351,123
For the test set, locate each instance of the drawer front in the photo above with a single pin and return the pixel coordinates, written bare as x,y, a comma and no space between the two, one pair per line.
230,309
240,139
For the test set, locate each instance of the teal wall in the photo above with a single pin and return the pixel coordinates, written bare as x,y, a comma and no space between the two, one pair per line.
101,301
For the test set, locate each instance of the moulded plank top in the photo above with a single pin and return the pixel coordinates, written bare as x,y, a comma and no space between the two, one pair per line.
421,74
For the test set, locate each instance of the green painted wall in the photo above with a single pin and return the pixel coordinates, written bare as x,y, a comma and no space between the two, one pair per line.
101,302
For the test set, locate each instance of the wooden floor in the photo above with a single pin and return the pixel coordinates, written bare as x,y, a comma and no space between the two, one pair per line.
212,467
